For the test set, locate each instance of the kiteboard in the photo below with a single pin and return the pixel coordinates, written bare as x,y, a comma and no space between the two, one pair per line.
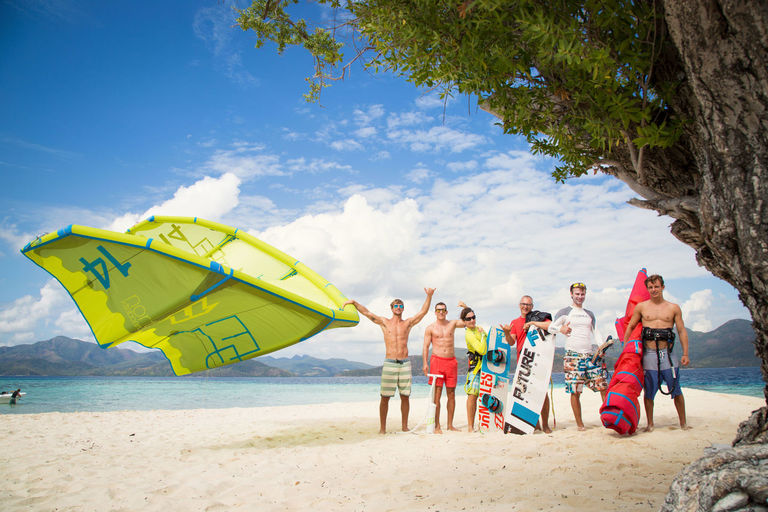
528,387
494,377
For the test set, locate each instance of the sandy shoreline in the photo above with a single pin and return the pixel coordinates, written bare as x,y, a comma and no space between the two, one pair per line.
330,457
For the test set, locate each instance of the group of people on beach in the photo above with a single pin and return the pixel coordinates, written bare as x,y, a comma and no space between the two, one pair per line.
583,362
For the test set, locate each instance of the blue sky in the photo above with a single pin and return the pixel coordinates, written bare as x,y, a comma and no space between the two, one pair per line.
113,111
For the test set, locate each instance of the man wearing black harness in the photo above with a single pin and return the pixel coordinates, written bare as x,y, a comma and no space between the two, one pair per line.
658,316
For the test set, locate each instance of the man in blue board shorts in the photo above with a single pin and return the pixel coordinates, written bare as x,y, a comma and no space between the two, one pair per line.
580,365
658,316
396,372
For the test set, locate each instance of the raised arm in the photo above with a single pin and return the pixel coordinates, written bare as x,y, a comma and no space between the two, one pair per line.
683,334
364,311
424,308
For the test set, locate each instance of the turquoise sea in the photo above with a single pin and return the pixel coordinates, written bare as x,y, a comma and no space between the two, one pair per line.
70,394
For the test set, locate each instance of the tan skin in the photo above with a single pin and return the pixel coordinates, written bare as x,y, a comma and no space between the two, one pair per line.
526,306
440,335
658,313
396,330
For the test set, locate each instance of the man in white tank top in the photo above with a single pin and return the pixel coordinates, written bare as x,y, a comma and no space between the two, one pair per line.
583,339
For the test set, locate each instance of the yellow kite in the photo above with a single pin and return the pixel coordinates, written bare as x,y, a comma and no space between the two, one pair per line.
205,294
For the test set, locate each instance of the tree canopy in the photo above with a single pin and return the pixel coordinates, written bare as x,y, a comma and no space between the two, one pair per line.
527,61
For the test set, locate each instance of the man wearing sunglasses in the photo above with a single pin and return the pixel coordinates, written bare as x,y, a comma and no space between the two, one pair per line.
515,334
440,335
580,366
396,371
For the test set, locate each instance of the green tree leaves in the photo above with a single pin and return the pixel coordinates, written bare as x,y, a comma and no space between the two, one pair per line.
574,77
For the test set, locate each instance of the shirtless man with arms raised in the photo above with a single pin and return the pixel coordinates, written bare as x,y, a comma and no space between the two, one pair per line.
440,335
396,372
658,316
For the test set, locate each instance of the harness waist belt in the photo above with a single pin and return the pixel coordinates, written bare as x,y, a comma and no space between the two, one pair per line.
658,334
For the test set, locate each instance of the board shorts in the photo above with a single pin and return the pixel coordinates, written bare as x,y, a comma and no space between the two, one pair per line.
447,367
396,374
472,386
580,371
654,374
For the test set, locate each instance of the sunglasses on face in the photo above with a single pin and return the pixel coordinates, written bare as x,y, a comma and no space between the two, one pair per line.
524,304
440,310
398,306
470,318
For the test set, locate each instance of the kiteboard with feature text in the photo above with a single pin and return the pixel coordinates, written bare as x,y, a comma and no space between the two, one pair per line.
528,387
494,377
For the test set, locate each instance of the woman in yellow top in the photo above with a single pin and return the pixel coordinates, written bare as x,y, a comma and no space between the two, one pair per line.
477,346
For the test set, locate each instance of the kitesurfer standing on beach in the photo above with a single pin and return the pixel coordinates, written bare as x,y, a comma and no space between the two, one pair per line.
515,334
440,335
658,316
396,371
580,366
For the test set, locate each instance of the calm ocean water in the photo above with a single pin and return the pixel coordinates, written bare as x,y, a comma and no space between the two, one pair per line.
70,394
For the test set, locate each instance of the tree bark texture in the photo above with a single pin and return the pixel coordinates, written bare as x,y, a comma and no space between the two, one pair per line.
722,161
723,52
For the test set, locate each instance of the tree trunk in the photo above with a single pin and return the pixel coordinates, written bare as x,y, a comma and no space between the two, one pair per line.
722,53
723,49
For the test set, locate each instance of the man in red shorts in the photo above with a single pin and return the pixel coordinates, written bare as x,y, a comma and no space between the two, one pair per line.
440,335
515,333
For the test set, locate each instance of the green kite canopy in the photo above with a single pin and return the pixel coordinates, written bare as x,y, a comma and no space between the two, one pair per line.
205,294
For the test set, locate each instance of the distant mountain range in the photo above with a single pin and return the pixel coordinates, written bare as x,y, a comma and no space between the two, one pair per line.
62,356
731,344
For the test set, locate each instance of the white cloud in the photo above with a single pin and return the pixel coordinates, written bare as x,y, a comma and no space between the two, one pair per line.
696,310
20,320
346,145
365,132
433,100
366,117
467,166
418,175
209,198
437,138
246,161
315,165
213,25
395,120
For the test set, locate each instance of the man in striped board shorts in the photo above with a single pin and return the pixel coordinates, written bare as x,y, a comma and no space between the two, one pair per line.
396,372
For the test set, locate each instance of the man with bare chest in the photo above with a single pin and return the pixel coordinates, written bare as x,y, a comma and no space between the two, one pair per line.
396,371
658,316
440,335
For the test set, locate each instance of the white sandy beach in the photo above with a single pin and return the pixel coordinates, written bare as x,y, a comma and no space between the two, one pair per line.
330,457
